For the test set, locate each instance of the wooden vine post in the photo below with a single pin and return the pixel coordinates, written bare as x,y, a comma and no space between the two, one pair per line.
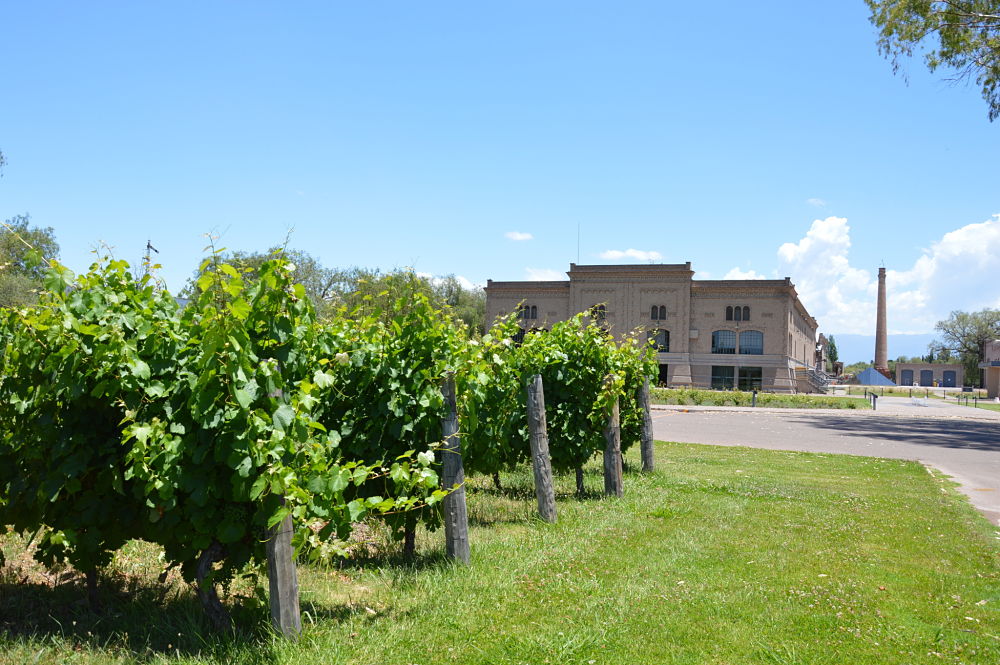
283,580
613,452
540,460
646,441
456,517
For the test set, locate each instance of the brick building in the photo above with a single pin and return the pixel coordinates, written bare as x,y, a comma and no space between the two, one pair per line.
930,374
710,333
991,368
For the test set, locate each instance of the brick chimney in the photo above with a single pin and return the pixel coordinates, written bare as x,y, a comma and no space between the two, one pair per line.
881,334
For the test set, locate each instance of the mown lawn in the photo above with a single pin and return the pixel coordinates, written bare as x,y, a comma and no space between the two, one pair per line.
698,397
723,555
991,406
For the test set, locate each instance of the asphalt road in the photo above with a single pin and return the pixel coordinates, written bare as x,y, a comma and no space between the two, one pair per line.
965,447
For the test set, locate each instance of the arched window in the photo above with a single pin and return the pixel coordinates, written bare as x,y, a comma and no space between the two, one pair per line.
752,342
660,339
534,311
746,313
523,311
599,312
663,312
654,313
729,313
723,341
738,313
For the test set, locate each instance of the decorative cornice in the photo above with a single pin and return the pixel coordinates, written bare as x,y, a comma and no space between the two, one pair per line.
511,286
641,268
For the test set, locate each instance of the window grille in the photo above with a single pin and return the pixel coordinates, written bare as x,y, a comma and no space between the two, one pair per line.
751,378
723,341
752,342
723,377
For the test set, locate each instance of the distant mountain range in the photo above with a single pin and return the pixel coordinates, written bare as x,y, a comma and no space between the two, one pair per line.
861,348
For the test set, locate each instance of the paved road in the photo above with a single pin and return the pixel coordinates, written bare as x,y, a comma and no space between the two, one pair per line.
963,443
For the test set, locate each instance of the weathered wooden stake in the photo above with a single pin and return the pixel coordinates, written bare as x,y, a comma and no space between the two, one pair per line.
283,580
92,596
540,450
580,489
646,443
456,517
613,454
410,539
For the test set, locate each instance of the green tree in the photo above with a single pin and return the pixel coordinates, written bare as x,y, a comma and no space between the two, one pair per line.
962,35
857,368
831,350
966,334
20,277
468,305
362,291
324,286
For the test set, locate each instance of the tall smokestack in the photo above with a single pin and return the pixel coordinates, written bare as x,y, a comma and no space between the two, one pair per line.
881,335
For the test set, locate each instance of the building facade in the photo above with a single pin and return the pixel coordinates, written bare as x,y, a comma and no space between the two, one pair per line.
930,374
709,333
991,368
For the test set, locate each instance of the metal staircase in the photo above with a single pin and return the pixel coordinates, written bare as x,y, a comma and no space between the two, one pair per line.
817,380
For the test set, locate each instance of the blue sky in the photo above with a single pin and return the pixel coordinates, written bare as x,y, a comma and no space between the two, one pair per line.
762,139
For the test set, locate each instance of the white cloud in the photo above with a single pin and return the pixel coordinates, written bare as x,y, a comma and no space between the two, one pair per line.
518,235
637,254
436,280
819,203
736,273
467,283
952,274
544,274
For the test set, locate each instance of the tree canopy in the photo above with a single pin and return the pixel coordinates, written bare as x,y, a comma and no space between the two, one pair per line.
963,35
364,290
20,277
966,334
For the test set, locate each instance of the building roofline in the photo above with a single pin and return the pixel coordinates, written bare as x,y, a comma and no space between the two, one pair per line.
658,268
552,284
775,283
629,267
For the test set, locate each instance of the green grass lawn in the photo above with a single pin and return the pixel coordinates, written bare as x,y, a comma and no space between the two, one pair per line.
910,391
724,555
992,406
697,397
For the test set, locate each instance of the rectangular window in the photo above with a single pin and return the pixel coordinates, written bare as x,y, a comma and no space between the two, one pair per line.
723,377
751,378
